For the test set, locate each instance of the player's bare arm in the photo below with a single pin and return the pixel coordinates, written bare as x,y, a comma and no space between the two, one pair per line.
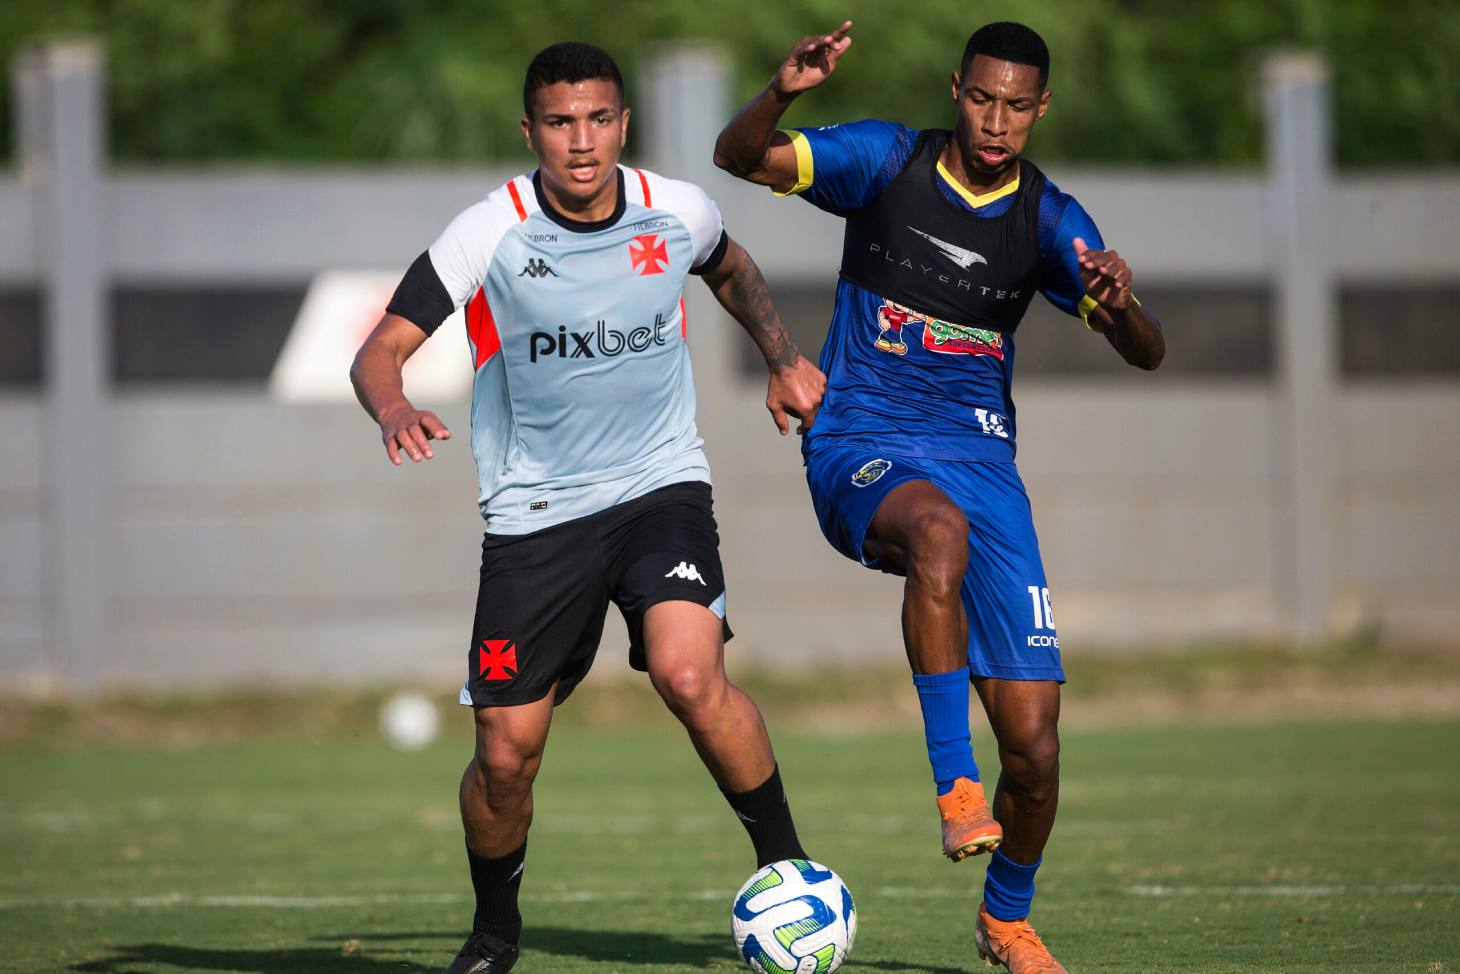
749,146
796,386
1131,330
376,375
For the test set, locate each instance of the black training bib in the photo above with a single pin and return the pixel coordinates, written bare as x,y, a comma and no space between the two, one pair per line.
914,246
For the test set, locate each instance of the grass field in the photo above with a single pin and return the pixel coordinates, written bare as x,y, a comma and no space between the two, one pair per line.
1274,845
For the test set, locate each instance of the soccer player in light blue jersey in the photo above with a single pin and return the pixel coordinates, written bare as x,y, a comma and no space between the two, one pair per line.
594,485
949,235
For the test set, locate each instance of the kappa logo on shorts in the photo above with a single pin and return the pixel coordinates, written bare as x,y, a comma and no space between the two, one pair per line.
870,471
496,657
687,572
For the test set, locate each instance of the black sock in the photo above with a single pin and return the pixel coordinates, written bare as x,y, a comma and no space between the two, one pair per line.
766,815
496,882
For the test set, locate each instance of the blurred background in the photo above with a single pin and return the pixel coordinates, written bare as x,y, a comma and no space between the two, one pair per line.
211,578
207,203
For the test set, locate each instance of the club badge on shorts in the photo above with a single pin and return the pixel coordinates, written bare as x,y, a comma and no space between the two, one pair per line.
870,471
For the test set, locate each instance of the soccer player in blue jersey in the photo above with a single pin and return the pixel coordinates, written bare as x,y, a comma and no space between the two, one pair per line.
949,234
594,485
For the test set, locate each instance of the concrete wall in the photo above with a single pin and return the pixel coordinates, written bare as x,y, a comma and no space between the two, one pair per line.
251,539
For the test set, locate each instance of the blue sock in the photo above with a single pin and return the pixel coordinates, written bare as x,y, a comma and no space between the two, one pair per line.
1008,888
944,699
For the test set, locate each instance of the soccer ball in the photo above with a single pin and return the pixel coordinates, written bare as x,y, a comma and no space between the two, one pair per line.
794,917
409,721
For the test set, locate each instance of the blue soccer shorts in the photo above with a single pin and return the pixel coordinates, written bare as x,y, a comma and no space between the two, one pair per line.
1011,634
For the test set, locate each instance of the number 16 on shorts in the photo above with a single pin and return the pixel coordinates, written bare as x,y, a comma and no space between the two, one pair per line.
1043,617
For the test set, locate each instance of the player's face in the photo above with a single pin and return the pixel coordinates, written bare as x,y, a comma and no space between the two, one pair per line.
577,131
998,104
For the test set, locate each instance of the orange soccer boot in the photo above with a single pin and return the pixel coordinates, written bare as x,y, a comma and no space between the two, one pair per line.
968,828
1014,944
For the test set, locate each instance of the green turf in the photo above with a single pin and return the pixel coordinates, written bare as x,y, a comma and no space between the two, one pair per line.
1291,847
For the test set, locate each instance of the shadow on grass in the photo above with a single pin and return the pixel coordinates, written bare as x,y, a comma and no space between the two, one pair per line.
285,960
630,948
626,949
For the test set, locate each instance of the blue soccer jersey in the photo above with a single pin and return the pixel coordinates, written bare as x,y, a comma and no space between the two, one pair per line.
903,378
919,361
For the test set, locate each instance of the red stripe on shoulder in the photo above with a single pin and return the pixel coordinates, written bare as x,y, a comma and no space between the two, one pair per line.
516,200
683,321
644,182
482,328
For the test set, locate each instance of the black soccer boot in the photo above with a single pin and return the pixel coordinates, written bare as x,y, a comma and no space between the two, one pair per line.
483,954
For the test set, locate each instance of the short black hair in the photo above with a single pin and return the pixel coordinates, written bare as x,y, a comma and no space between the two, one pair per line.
570,61
1006,41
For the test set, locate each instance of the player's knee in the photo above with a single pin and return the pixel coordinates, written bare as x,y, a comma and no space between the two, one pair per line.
689,689
937,552
506,769
1032,761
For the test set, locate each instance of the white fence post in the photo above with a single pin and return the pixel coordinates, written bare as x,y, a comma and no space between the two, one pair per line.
685,99
63,127
1296,101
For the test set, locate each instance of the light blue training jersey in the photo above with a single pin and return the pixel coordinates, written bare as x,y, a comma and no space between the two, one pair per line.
583,396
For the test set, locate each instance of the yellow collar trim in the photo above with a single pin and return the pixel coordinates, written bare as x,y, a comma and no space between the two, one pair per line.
974,199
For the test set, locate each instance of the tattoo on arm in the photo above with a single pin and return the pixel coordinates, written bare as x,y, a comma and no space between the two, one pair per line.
747,297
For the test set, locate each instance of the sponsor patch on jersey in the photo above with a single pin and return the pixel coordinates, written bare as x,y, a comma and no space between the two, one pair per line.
870,471
949,339
891,318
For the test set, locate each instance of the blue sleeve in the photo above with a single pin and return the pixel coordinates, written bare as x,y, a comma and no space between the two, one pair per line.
1061,220
844,167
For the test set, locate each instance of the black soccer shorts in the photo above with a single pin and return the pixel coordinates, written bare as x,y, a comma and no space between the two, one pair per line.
544,595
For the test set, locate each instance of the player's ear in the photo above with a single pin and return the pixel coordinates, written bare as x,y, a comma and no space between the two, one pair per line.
623,128
1043,104
527,133
957,83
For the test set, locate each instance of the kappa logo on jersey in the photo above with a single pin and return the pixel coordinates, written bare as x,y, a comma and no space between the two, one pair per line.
871,471
648,254
602,341
961,256
495,658
687,572
949,339
537,267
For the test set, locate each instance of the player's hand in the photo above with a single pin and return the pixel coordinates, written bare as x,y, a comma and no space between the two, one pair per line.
795,390
812,60
410,432
1105,276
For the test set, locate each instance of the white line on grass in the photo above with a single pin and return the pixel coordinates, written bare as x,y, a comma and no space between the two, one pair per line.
443,820
1317,889
916,892
169,900
187,901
